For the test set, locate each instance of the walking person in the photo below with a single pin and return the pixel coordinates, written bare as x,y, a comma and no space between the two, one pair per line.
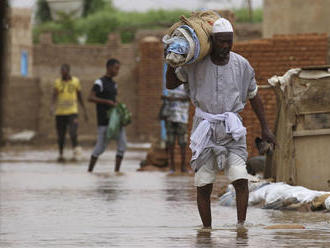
219,86
176,124
65,98
103,94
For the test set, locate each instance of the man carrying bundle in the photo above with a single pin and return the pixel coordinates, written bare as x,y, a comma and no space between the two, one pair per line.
219,85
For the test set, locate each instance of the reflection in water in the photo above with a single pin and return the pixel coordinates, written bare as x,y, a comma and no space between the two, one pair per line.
312,238
109,186
204,239
242,237
179,189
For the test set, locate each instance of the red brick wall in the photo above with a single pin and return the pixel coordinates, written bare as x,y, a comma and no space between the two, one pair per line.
149,89
274,57
267,56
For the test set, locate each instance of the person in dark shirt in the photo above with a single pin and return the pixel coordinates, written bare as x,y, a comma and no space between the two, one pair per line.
104,94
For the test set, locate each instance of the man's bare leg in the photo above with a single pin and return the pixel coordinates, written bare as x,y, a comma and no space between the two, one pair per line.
183,159
203,203
242,197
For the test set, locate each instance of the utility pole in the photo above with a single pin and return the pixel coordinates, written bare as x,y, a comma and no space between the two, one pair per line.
249,3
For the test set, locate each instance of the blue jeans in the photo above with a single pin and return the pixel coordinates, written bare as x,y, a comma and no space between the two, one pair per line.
103,141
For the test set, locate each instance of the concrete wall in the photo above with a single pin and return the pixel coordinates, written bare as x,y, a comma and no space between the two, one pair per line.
296,16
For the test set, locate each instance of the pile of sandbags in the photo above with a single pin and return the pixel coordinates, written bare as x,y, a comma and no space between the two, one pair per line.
321,202
188,40
280,196
156,157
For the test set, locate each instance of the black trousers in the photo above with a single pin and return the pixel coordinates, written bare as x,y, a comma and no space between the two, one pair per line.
62,123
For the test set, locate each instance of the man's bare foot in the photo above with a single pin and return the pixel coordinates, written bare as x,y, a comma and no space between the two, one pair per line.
241,227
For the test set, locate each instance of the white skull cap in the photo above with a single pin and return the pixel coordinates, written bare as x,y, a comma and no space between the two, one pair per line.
222,25
327,203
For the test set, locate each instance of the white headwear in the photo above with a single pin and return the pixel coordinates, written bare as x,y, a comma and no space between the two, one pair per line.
327,203
222,25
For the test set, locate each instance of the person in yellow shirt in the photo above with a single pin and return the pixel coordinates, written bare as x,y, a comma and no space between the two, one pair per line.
66,94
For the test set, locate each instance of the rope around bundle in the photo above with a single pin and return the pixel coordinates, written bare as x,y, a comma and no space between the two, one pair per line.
201,22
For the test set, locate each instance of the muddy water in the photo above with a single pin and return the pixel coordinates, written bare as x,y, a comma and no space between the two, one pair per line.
46,204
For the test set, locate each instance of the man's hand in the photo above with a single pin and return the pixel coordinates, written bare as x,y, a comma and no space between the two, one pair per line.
258,108
111,103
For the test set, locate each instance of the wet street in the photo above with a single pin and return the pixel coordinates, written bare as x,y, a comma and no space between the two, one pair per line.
46,204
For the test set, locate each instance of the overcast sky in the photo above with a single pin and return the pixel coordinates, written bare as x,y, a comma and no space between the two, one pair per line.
143,5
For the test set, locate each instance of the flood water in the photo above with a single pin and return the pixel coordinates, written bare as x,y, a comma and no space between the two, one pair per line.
46,204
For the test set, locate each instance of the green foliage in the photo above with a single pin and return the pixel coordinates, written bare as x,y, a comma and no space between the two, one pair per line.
150,19
242,15
89,7
127,36
43,12
68,32
45,27
92,6
96,26
64,30
130,22
100,19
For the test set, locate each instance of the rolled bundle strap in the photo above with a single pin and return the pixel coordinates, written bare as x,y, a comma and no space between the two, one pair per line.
200,137
201,23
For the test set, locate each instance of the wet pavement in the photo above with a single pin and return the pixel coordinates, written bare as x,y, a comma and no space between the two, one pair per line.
46,204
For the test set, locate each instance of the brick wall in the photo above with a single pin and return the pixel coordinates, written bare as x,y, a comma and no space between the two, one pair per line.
149,88
87,63
21,103
267,56
140,83
274,57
